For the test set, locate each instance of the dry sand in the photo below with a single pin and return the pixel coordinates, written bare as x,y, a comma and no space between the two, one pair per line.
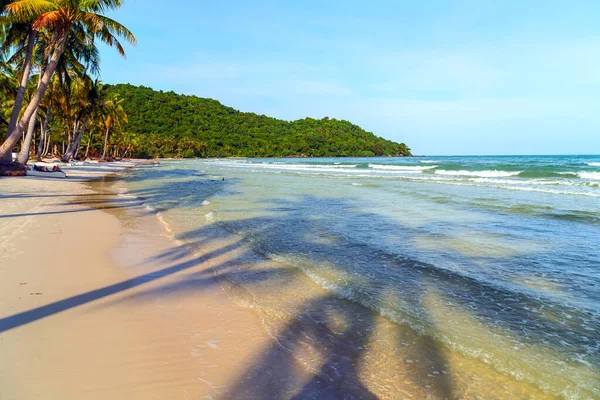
68,326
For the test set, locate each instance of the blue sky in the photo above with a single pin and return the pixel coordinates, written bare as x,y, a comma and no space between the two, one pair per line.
445,77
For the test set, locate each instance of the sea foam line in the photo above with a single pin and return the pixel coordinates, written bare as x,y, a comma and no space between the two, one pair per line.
402,168
595,176
483,174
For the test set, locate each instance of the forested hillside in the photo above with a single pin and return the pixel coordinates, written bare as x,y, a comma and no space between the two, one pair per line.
173,125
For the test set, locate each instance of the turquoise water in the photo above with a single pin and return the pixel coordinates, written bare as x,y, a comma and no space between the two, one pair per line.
496,258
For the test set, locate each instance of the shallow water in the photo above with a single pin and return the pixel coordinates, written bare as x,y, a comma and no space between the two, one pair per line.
485,269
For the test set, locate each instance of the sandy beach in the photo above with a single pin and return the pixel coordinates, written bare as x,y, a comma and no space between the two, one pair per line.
101,300
74,324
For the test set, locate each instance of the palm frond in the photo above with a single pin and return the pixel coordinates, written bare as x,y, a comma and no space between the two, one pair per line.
27,10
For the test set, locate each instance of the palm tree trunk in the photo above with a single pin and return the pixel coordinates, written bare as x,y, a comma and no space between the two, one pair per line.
74,147
48,142
124,153
14,117
41,143
71,136
78,146
87,148
105,143
10,142
23,156
44,134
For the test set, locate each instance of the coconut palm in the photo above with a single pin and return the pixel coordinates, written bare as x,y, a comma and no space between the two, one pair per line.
61,19
20,36
86,105
113,116
79,57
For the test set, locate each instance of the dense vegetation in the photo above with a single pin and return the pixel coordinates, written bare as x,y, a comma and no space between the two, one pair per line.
48,58
173,125
52,103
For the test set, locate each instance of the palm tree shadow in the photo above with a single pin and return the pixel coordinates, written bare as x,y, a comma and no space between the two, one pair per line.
277,374
322,350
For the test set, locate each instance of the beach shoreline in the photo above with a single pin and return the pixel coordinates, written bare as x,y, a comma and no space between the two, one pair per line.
76,324
116,303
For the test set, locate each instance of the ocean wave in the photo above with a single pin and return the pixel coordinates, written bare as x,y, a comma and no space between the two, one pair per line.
428,161
483,174
547,174
403,168
296,167
595,176
533,186
594,164
535,182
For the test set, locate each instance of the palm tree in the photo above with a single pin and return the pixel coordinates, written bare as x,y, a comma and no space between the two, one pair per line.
79,57
78,102
20,36
114,115
23,155
62,18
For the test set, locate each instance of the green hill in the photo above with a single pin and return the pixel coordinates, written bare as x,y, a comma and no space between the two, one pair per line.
174,125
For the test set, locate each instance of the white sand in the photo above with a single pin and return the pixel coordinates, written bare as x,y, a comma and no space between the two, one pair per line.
69,328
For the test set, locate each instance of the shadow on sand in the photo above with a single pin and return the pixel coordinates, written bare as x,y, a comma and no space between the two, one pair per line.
321,350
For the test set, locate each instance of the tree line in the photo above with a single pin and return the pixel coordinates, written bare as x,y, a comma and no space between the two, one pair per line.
53,104
173,125
49,63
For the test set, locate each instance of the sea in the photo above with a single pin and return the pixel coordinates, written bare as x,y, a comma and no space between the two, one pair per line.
410,277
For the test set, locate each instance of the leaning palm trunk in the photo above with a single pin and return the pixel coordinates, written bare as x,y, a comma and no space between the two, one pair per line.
48,141
13,137
23,156
124,153
73,149
87,147
14,117
41,143
70,137
105,143
43,135
76,153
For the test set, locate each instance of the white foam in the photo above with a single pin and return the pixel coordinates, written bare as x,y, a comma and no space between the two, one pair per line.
540,190
579,189
483,174
165,224
595,176
296,167
535,182
126,195
594,164
428,161
205,203
403,168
